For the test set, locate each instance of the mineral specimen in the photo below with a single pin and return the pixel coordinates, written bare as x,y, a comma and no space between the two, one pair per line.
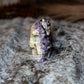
40,39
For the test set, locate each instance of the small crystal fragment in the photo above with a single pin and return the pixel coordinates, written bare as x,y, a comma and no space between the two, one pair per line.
40,40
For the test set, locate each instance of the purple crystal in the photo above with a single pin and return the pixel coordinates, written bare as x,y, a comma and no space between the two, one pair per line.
42,36
43,59
38,26
44,39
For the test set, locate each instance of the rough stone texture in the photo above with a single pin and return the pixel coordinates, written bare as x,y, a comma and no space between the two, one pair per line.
65,66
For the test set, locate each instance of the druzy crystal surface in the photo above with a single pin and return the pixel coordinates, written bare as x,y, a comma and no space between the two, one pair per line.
40,39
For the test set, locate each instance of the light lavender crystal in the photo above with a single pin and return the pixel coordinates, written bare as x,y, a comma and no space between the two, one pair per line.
43,28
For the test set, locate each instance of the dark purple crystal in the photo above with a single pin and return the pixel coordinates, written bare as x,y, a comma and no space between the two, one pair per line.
44,39
43,59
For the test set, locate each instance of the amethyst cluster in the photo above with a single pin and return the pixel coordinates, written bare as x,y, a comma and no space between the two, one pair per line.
45,41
